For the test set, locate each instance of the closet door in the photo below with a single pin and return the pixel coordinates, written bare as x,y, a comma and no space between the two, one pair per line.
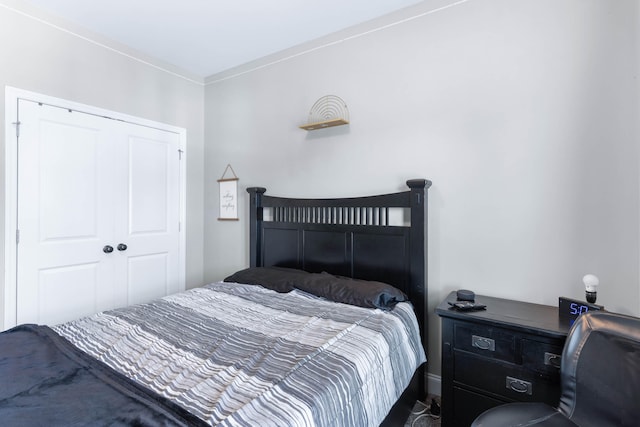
65,215
86,185
147,219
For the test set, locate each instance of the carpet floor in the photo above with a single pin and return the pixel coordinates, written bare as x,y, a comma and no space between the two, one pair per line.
421,415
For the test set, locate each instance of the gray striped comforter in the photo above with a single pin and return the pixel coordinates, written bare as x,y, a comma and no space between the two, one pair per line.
242,355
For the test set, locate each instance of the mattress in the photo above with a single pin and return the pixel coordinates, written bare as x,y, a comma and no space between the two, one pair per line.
242,355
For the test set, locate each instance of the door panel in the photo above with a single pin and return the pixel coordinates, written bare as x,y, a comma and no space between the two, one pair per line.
149,166
148,277
76,288
69,187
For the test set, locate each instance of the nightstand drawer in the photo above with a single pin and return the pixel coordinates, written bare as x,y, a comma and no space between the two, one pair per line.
494,343
541,356
471,405
506,380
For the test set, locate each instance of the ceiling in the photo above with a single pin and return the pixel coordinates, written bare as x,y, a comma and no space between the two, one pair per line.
205,37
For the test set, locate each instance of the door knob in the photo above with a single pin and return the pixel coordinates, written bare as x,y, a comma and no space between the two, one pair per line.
107,249
122,247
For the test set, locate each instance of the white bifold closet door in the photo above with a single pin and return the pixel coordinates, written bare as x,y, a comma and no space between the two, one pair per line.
98,214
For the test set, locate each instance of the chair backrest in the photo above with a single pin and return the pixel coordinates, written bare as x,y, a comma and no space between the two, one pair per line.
600,372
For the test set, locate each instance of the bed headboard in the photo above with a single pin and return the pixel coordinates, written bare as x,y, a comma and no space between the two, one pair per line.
382,238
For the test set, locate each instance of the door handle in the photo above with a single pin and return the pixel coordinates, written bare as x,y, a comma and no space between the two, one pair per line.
122,247
107,249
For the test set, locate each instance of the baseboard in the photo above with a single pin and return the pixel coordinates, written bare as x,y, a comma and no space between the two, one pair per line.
434,384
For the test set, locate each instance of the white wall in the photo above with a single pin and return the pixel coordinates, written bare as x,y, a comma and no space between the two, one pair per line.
39,57
523,114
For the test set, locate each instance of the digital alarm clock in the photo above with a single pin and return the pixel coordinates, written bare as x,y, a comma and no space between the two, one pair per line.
572,308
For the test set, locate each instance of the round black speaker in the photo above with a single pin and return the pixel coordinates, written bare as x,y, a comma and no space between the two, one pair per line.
465,295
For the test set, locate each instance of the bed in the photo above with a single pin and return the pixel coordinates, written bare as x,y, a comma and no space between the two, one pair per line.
325,327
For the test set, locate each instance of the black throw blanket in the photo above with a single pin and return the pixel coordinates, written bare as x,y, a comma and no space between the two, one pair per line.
46,381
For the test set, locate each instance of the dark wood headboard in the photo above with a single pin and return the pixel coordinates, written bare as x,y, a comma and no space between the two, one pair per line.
353,237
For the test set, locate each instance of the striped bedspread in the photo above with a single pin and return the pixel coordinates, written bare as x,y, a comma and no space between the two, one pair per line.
242,355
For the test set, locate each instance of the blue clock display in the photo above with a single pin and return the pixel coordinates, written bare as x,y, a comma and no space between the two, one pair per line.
572,308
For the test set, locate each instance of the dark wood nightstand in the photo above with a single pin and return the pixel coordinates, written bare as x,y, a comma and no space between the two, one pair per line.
509,352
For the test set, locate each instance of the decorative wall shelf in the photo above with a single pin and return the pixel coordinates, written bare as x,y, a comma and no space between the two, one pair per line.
324,124
328,111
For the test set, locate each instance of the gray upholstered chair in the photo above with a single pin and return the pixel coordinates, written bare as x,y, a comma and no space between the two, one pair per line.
599,377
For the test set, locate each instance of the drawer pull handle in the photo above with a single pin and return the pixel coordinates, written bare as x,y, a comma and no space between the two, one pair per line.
551,359
519,386
483,343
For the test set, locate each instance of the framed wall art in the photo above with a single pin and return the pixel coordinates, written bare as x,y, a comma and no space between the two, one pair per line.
228,196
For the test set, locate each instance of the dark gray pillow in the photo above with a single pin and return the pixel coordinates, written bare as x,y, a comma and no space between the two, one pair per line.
279,279
363,293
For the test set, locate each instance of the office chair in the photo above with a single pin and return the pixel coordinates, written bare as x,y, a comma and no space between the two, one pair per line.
599,379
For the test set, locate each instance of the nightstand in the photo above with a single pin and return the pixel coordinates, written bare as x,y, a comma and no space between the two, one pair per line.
509,352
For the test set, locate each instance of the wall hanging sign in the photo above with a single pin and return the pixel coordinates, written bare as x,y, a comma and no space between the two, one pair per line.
228,196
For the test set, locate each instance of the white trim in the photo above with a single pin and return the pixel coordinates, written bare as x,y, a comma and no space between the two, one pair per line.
434,384
12,95
258,64
92,40
10,207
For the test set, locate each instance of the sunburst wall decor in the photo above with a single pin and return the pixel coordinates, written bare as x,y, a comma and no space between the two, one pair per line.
328,111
